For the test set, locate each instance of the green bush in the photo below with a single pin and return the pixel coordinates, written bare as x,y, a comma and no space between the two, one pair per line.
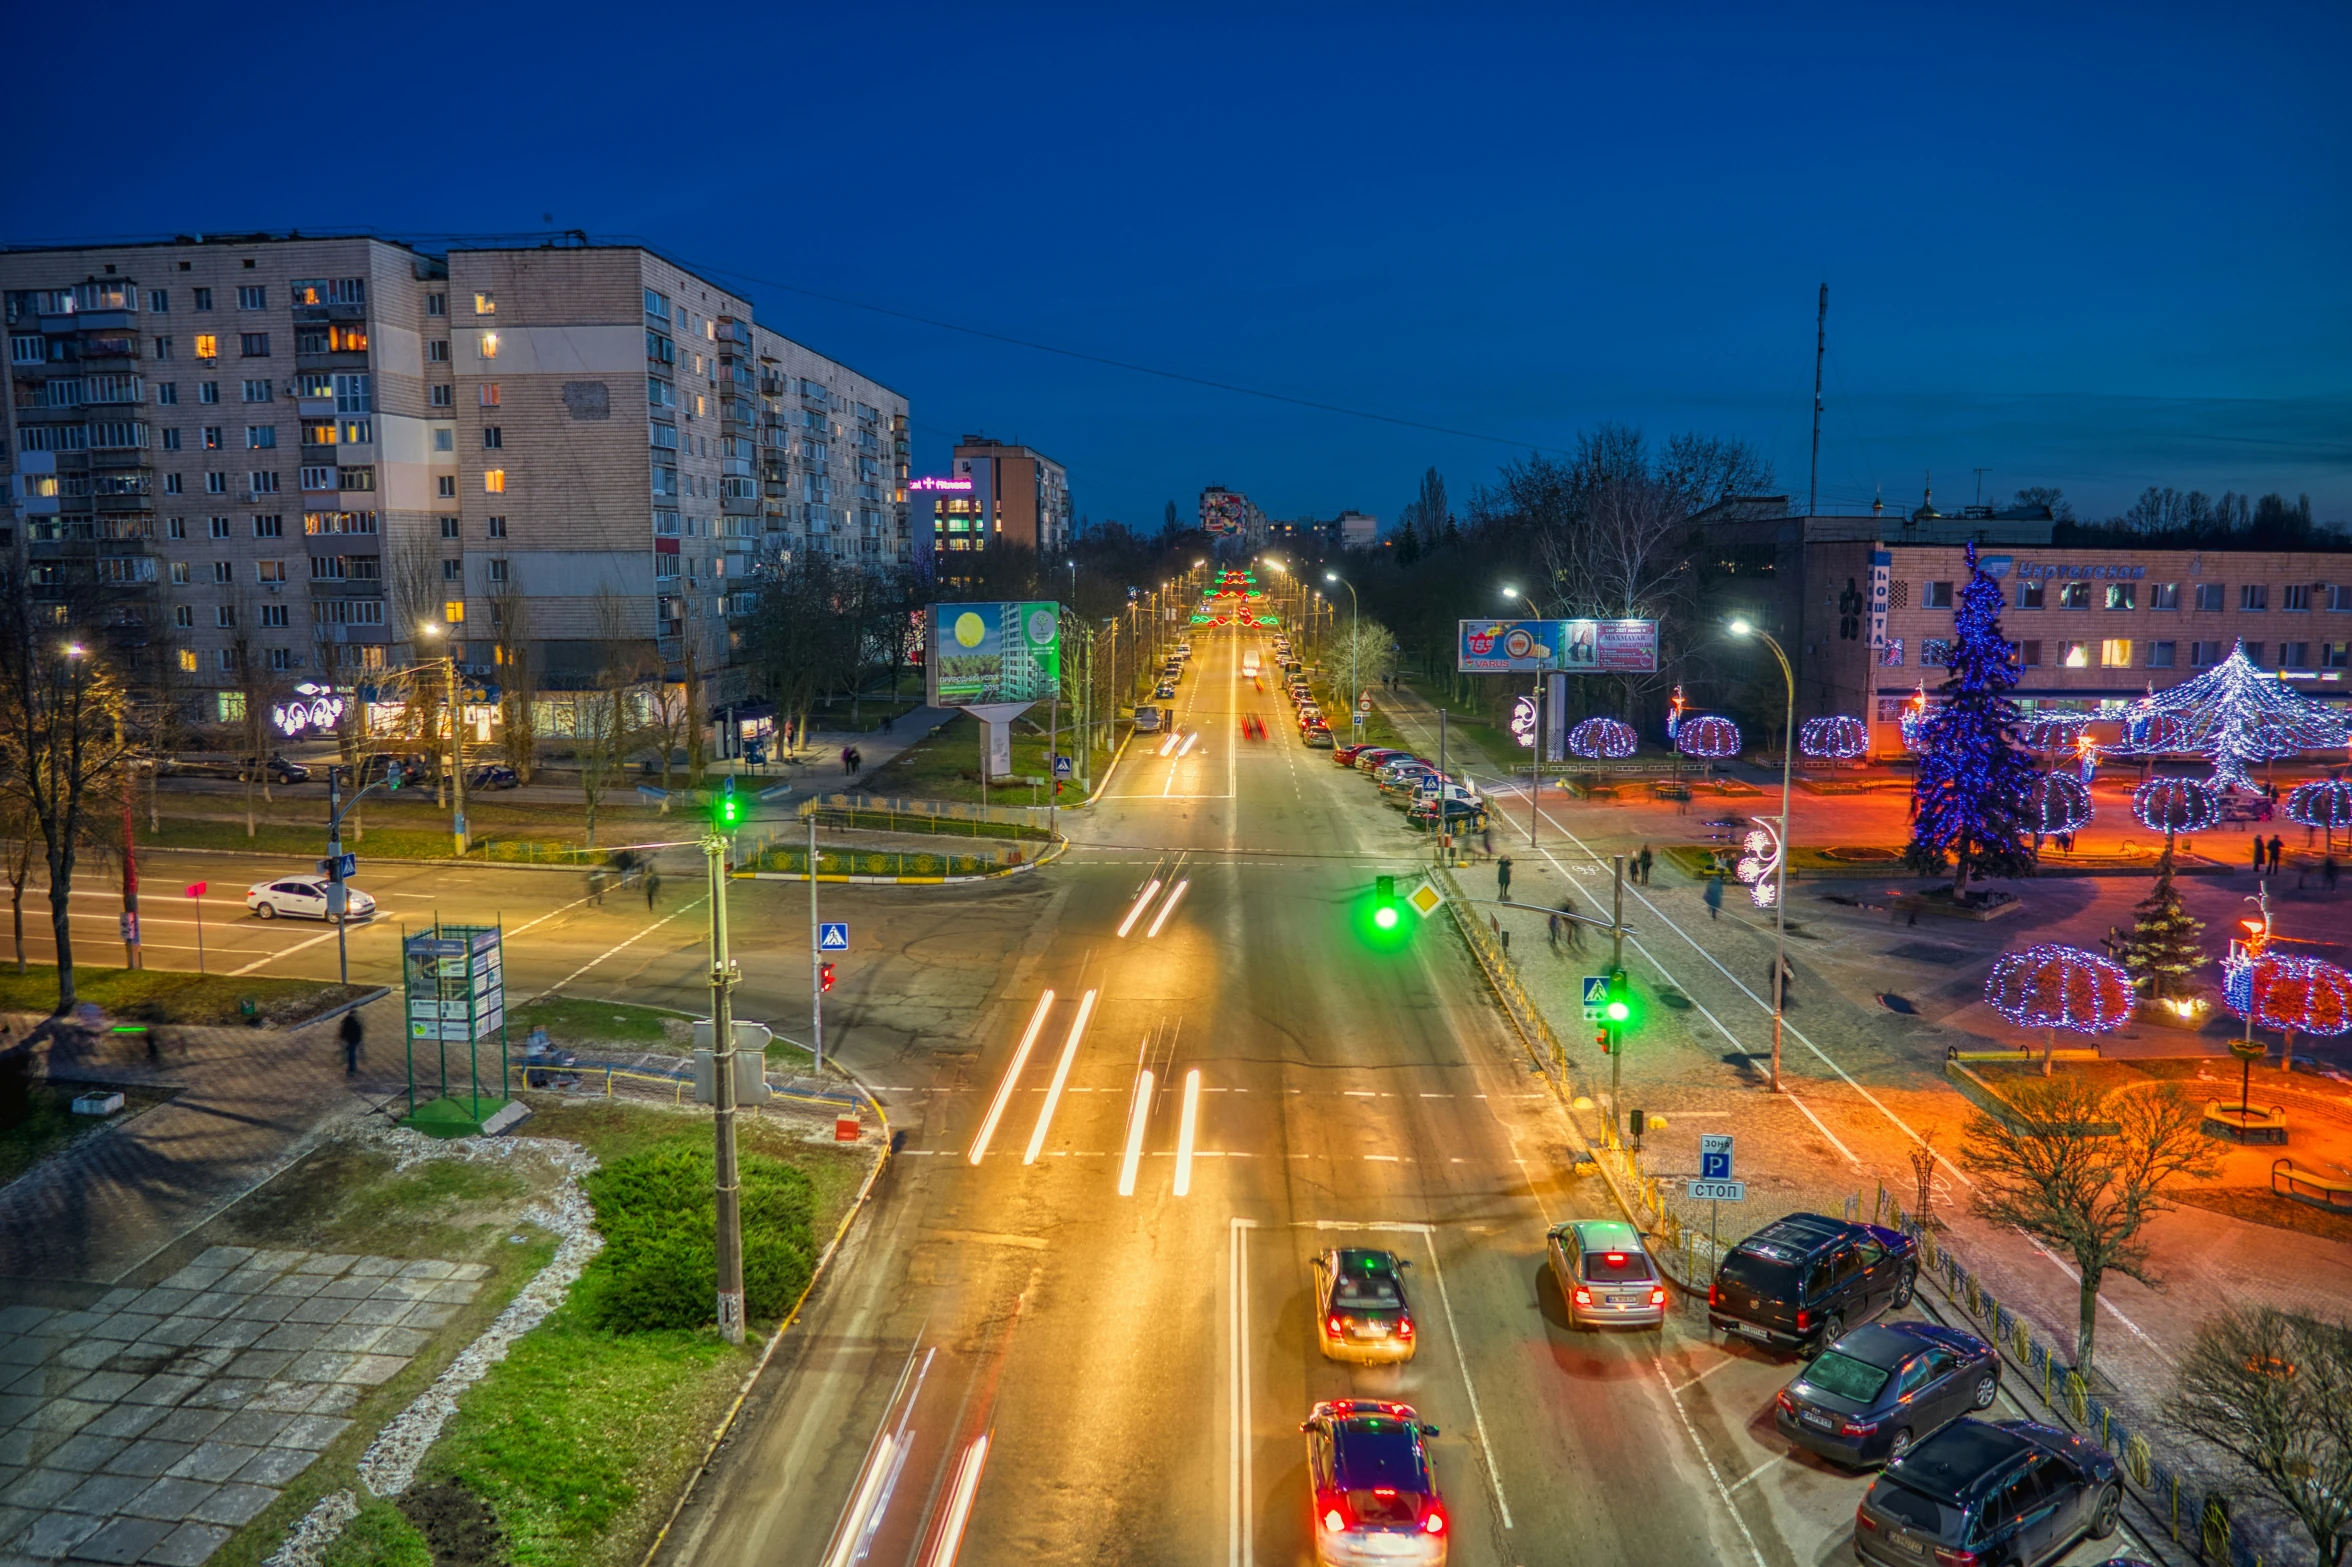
659,1266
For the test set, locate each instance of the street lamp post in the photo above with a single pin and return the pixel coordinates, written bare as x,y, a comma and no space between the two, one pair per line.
1788,746
1535,768
727,1185
1355,640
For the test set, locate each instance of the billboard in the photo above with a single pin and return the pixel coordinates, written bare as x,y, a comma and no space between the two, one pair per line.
982,653
1497,647
1612,647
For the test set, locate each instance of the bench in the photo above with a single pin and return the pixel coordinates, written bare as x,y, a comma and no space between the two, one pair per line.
2304,1186
2248,1124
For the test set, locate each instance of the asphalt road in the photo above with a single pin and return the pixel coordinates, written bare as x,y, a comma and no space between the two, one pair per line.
1026,1356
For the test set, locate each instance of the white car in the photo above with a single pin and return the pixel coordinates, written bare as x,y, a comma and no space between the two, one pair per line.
304,897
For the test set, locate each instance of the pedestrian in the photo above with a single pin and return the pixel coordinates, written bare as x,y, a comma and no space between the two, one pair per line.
354,1034
596,887
2275,846
1552,931
2327,874
1715,897
2260,849
846,765
1503,878
1486,836
1643,860
652,887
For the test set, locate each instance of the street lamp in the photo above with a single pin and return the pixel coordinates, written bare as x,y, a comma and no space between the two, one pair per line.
457,821
1514,593
1742,627
1355,639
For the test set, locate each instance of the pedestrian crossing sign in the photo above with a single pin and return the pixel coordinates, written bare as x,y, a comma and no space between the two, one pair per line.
832,938
1596,996
1425,899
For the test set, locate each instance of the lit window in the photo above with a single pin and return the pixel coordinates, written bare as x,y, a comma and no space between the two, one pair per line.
485,304
2075,655
489,345
2115,654
187,661
489,394
208,345
454,612
494,481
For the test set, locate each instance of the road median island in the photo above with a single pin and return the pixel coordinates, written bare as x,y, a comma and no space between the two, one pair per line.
177,997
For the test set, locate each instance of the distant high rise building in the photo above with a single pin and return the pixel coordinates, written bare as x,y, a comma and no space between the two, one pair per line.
1356,530
998,494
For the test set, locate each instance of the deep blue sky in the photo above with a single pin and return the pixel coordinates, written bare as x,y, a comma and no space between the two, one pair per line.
2100,248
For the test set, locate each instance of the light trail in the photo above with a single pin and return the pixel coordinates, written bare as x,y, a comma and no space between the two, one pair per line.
959,1503
1184,1132
1053,1092
1186,748
1151,890
1166,909
1004,1090
1136,1112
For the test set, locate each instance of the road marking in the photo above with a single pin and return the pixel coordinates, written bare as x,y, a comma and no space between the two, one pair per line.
1137,1109
1053,1092
1712,1473
1381,1158
1240,1493
959,1506
1166,909
285,952
987,1238
1779,1458
1004,1090
1151,890
616,947
1186,1126
1186,748
1445,1300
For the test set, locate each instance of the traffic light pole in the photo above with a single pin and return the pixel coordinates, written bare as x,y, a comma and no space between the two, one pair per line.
1616,966
816,958
727,1188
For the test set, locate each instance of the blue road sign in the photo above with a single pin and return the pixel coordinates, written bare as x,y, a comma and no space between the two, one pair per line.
832,938
1596,990
1062,767
340,867
1715,1156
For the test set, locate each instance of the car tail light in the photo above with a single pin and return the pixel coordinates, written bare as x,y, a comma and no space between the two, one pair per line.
1658,1295
1711,1293
1583,1296
1947,1557
1334,1520
1863,1520
1336,1326
1784,1401
1334,1509
1803,1318
1434,1520
1856,1427
1404,1327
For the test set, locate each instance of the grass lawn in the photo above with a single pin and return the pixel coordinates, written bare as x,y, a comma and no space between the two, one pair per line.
573,1022
946,766
153,995
50,1125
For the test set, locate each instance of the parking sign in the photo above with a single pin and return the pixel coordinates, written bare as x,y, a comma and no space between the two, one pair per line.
1715,1156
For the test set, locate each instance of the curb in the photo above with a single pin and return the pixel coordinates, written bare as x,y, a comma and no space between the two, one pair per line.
1053,851
726,1425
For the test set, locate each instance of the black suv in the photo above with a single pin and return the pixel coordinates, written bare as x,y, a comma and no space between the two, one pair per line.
2011,1492
1801,1281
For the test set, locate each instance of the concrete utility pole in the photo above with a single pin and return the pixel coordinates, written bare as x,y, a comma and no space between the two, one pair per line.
1616,966
1820,347
816,958
727,1186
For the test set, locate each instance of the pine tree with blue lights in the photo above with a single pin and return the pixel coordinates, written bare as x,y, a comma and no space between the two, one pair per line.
1972,792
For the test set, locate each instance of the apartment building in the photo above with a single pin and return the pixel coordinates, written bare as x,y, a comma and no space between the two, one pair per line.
293,454
999,494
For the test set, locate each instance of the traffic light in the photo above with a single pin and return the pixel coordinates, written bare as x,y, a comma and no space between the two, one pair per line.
1380,919
727,808
824,978
1618,1009
1384,904
392,775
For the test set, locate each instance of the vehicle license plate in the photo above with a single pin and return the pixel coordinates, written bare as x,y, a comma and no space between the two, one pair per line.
1761,1335
1372,1330
1911,1542
1815,1418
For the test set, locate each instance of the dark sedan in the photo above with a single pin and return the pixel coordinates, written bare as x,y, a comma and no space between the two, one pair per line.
496,776
1873,1393
2009,1492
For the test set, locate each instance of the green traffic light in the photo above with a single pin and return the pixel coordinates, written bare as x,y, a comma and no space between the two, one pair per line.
1385,918
1619,1011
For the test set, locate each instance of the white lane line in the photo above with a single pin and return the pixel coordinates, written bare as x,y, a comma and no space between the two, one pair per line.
1445,1300
1743,1480
1137,1110
1166,909
560,909
286,952
1241,1548
1186,1126
1713,1474
1151,890
1061,1076
959,1503
617,947
1004,1090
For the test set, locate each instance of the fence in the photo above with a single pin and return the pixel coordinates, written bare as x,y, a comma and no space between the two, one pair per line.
784,859
926,816
1504,975
643,1082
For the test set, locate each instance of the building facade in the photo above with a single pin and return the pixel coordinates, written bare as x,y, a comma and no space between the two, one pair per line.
998,494
291,455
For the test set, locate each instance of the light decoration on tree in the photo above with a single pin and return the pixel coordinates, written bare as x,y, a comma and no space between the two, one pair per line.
2171,805
1602,737
1709,737
2293,994
2061,803
2052,987
1759,867
2051,732
2236,715
1838,738
1972,790
2325,803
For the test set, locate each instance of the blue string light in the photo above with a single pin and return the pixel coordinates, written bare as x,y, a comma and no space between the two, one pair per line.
1602,737
1972,792
2176,805
2061,803
2325,802
1837,738
2056,986
2300,995
2236,715
1711,737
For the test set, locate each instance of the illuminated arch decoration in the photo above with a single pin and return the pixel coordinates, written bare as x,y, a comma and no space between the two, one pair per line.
1710,737
1598,738
2052,987
2171,805
2061,803
1839,738
2295,995
2236,715
2052,733
2147,732
2326,803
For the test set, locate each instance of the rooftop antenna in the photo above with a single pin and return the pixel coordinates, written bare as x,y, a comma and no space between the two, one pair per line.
1820,347
1980,473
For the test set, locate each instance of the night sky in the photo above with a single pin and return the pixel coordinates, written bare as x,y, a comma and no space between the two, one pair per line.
2094,248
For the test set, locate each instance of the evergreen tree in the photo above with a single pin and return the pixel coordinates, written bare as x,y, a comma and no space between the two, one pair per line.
1408,544
2163,949
1972,792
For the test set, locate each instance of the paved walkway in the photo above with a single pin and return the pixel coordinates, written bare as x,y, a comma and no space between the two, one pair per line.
248,1101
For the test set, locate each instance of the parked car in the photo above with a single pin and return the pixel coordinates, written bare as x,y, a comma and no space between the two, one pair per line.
1460,815
1605,1275
1147,720
1165,690
495,776
304,898
2006,1492
1873,1394
1317,736
1803,1280
276,768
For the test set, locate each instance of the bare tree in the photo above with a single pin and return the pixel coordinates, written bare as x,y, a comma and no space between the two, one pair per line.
2085,1175
692,698
607,718
510,628
16,821
2273,1389
258,686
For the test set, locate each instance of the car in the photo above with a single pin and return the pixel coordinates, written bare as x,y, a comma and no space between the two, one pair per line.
495,776
1184,650
1165,690
2006,1493
1147,720
1360,1308
304,898
1803,1280
1346,753
1605,1275
1317,736
1376,1494
1877,1391
1462,815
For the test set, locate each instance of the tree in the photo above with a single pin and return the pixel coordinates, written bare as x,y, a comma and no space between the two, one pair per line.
518,688
257,686
16,823
2273,1390
61,744
1426,513
1972,793
2061,509
2084,1176
606,713
2163,949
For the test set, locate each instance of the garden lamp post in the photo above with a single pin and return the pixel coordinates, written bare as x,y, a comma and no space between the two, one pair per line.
1745,628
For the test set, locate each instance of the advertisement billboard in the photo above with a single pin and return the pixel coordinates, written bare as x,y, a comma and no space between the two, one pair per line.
1501,647
1613,647
985,653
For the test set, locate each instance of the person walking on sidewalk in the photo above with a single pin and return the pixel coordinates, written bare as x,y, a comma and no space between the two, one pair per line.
354,1034
596,887
1715,897
2275,846
652,887
1643,860
1503,878
2261,849
2327,874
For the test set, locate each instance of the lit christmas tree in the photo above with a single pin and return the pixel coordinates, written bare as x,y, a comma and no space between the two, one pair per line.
1972,794
2235,714
2163,949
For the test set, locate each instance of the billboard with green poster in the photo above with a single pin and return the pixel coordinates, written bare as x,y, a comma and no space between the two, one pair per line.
981,654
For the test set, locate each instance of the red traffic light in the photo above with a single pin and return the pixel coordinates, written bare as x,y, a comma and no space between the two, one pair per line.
824,977
1601,1038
